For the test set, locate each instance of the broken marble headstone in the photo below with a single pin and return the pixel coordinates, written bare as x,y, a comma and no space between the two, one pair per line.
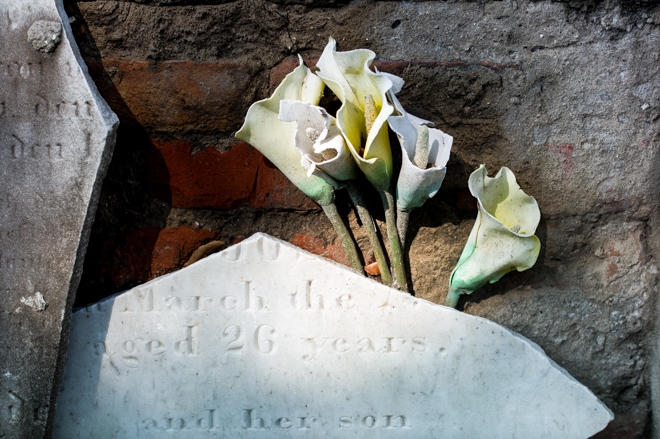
56,138
264,340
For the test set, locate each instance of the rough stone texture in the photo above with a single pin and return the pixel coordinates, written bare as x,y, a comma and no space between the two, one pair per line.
655,373
563,93
45,35
56,139
264,340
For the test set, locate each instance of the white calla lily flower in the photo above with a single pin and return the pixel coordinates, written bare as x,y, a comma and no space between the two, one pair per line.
324,151
502,239
425,153
363,115
275,139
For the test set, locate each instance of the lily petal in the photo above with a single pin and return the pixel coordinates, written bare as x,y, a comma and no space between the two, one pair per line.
415,184
275,139
348,75
324,151
493,248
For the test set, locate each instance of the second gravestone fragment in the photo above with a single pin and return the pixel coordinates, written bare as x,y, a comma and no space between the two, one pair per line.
56,139
264,340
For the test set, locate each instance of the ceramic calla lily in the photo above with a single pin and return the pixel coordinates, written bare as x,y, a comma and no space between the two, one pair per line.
274,138
363,115
326,154
425,153
324,150
502,238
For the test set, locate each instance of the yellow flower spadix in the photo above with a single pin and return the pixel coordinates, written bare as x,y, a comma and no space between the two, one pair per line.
348,75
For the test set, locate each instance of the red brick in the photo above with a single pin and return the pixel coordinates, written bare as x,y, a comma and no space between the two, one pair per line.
174,246
219,180
187,95
128,257
175,95
208,179
117,263
274,190
372,269
285,67
336,253
314,245
309,243
238,239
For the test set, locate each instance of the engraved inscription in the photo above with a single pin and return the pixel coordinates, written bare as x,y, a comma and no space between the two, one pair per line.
263,339
305,299
131,352
248,301
232,253
234,335
10,263
254,420
142,300
208,420
88,144
61,109
365,345
20,149
17,408
21,410
30,71
24,70
388,422
251,421
270,251
147,300
17,147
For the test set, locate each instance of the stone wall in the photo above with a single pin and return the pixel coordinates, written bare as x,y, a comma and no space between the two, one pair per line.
566,94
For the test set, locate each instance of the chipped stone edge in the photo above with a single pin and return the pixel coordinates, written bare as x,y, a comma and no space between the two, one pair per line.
483,320
111,122
211,259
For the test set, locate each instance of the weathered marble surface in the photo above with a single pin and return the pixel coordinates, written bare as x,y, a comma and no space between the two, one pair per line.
56,138
264,340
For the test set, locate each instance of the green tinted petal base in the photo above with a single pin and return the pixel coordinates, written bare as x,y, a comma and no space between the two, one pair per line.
502,238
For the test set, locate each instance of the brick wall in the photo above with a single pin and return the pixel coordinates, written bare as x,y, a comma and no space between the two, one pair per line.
563,93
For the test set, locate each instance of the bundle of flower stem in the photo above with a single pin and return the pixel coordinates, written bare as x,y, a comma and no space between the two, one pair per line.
321,153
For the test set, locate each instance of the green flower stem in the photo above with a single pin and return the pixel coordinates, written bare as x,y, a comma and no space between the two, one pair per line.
393,236
452,297
402,220
346,239
368,223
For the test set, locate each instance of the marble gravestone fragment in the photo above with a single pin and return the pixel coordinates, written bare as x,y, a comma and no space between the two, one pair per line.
56,139
264,340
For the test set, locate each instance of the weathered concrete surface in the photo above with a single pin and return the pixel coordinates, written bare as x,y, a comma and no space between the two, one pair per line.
654,372
56,139
564,93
